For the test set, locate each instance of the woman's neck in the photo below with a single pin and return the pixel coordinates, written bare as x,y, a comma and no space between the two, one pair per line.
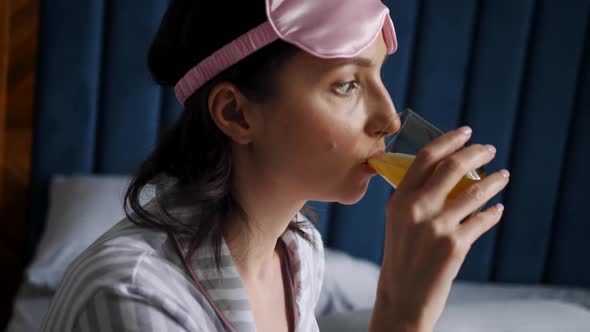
270,209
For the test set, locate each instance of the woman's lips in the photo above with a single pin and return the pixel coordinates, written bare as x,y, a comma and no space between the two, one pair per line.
375,155
368,167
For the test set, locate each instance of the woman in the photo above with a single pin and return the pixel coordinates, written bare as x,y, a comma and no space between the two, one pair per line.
283,104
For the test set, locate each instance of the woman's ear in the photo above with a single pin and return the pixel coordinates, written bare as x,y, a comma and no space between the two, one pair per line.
228,109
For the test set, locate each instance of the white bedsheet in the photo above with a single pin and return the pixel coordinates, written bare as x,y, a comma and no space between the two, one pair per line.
471,307
486,316
29,308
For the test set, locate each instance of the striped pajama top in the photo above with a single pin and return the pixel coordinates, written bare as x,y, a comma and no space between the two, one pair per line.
133,279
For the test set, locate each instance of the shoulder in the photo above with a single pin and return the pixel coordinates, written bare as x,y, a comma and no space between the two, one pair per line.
127,265
128,307
118,255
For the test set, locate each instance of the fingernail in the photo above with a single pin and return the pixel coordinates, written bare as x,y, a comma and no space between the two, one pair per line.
491,148
466,130
500,207
505,173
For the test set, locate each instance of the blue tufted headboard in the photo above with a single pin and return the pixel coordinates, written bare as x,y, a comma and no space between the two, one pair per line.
518,72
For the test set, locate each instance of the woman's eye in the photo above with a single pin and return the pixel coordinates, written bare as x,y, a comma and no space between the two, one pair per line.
346,88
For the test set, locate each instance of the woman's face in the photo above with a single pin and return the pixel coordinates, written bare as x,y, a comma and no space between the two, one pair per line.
315,135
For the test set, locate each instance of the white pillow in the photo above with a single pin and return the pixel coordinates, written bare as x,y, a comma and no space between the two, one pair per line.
350,284
81,208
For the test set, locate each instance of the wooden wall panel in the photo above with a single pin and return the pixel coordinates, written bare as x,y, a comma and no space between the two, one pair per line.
18,51
4,44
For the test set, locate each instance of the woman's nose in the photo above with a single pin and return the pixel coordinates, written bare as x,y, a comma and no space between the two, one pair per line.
393,125
386,126
384,120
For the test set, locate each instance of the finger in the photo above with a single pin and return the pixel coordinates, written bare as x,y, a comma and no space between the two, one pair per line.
427,159
451,170
475,196
481,222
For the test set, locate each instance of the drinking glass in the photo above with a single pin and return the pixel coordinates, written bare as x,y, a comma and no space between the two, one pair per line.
414,134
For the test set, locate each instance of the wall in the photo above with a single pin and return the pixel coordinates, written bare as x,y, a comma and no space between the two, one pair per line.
18,52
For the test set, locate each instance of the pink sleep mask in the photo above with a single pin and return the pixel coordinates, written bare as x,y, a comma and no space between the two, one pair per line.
324,28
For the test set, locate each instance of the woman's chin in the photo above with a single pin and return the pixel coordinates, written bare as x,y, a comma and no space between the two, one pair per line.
353,195
348,192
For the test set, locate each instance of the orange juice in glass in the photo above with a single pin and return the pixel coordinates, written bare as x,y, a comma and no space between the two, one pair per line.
414,134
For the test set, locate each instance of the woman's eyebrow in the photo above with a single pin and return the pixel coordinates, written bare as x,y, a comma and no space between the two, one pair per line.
361,62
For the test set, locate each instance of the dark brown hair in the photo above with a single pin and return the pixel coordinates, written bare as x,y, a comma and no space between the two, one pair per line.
192,160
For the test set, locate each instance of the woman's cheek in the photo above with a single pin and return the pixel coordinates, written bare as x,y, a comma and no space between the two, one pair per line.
333,146
342,136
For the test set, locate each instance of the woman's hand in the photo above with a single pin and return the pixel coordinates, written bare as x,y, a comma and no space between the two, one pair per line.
425,239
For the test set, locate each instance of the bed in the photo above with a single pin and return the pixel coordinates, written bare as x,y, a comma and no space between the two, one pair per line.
517,72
